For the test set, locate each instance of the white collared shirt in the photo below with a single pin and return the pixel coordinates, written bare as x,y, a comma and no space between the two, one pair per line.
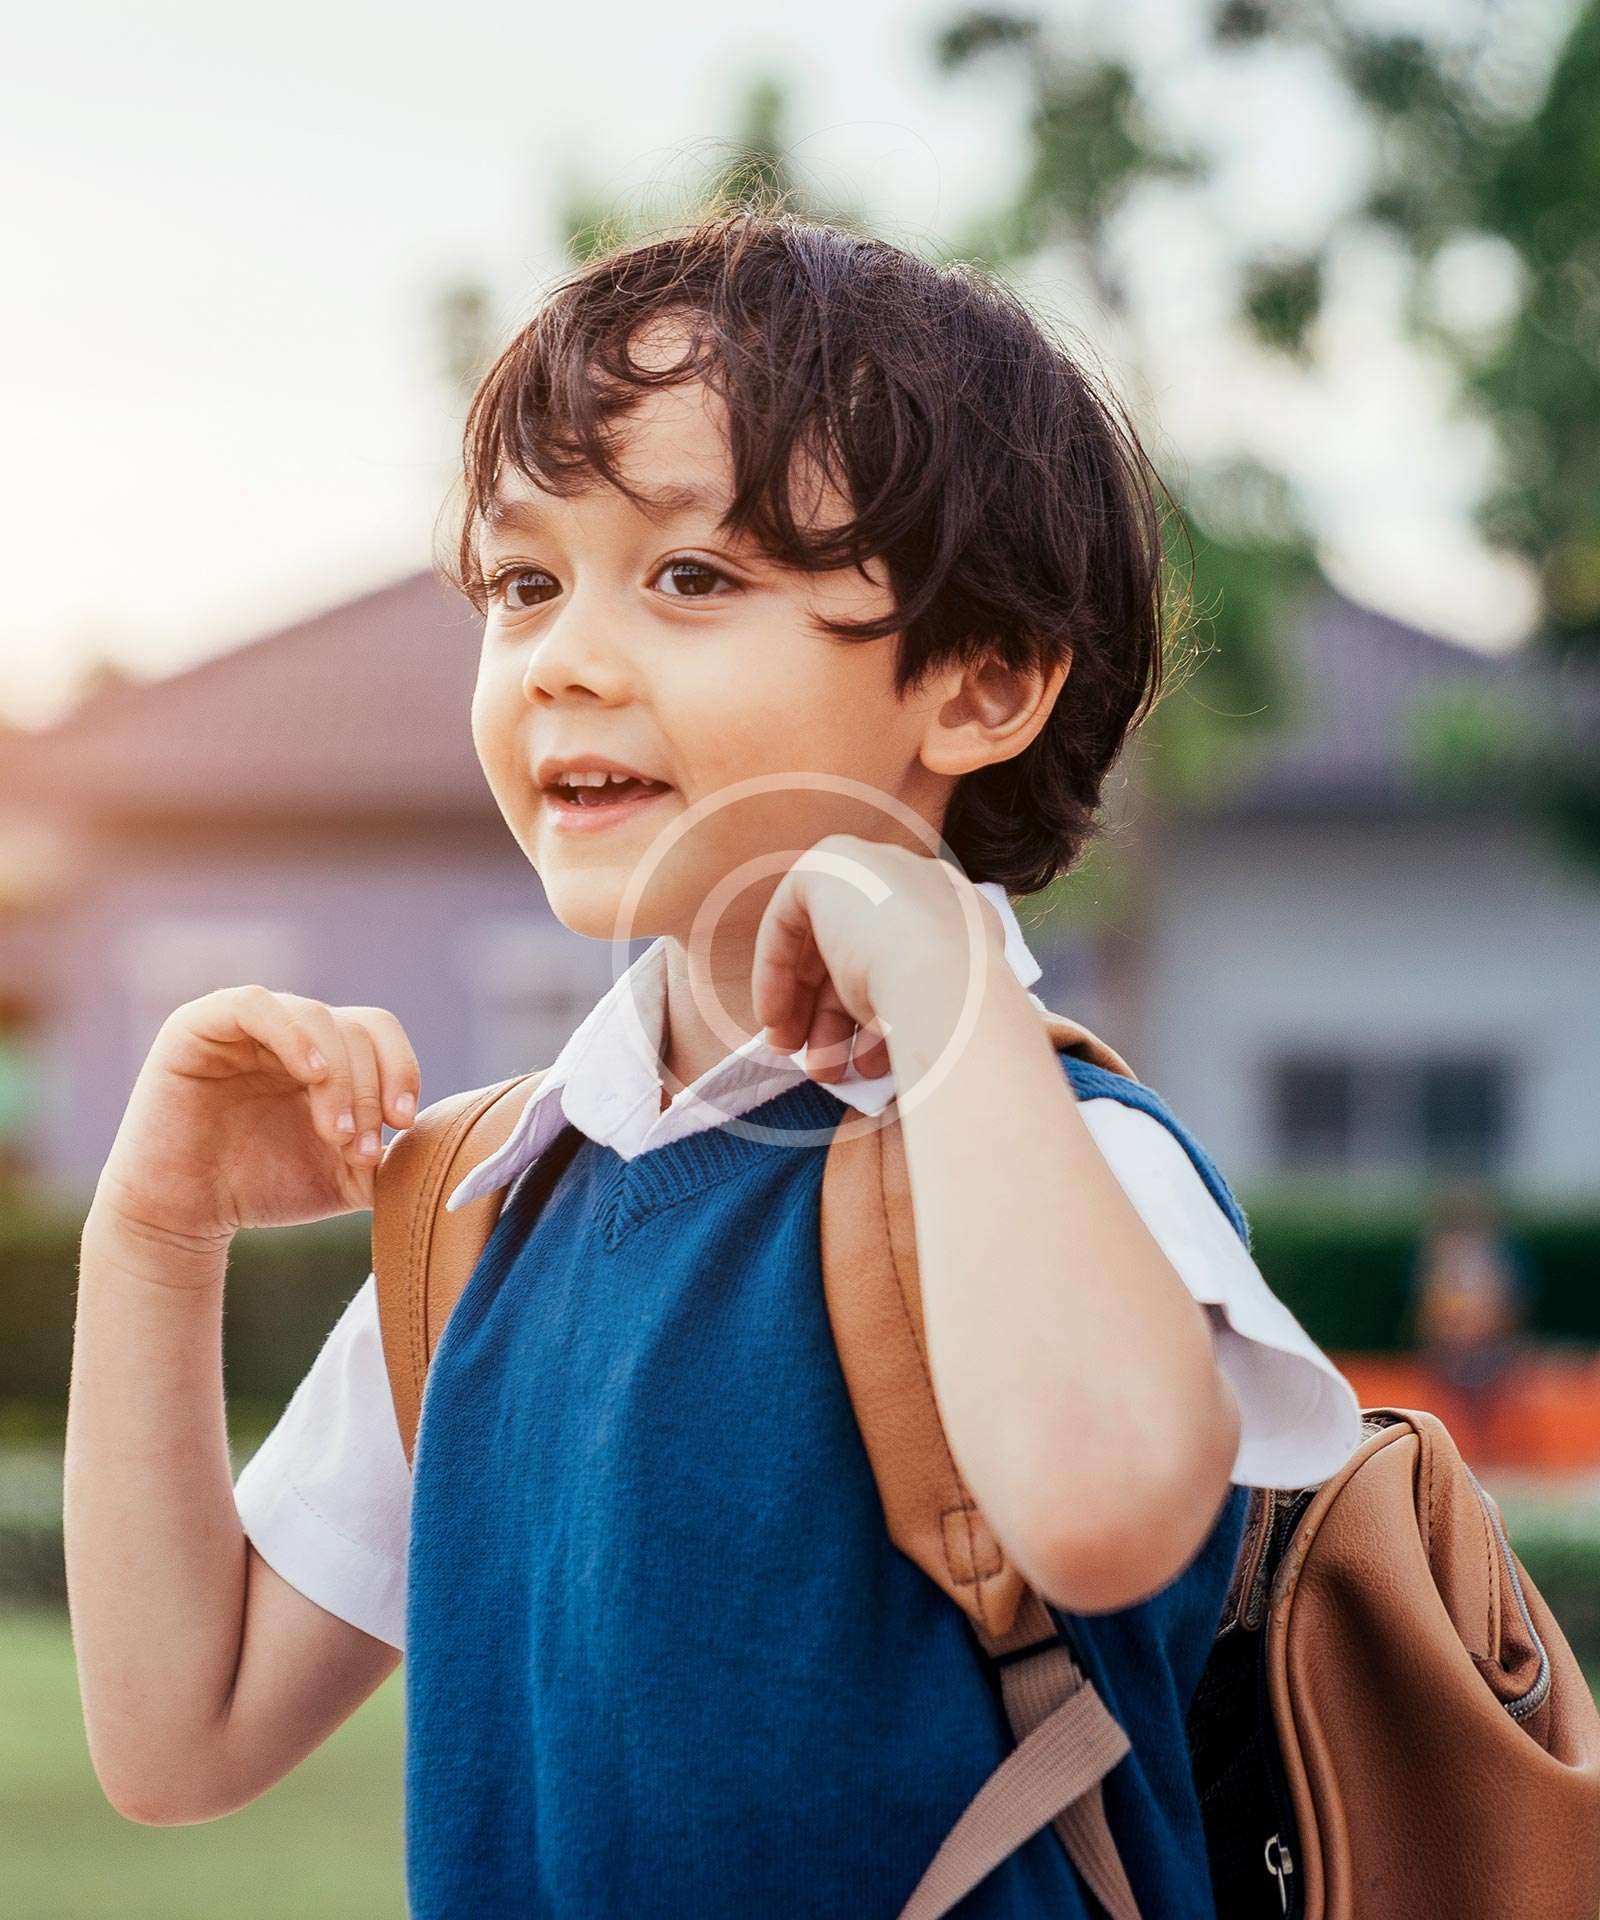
326,1499
608,1074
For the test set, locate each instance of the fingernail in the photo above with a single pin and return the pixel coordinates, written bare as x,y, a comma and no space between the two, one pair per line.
369,1143
346,1121
315,1061
404,1102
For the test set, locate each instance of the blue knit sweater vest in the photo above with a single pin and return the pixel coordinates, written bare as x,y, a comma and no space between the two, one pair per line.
662,1657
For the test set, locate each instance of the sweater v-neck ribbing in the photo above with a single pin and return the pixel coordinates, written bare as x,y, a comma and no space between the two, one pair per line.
637,1189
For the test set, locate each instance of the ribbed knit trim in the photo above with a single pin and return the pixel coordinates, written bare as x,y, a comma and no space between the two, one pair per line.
662,1176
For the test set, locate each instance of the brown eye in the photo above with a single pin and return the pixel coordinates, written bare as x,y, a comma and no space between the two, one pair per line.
521,588
693,579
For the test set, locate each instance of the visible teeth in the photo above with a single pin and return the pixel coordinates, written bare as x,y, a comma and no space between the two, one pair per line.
594,779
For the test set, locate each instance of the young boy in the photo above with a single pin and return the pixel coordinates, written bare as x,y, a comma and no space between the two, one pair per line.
844,571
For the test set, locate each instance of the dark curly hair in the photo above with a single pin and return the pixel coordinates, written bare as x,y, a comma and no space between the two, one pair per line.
1011,502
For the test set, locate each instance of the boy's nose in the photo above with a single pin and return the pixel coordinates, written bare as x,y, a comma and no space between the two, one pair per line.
580,652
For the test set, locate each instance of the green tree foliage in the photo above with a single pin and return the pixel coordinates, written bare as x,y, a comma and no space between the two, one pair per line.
1540,384
1490,140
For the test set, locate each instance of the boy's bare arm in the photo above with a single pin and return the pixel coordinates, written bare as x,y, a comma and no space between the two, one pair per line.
204,1676
1081,1393
1075,1373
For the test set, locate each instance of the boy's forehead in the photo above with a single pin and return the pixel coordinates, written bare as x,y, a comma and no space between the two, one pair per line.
670,447
673,446
517,499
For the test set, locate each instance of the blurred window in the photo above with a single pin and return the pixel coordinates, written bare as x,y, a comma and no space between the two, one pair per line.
1465,1113
1313,1111
1443,1113
171,958
532,982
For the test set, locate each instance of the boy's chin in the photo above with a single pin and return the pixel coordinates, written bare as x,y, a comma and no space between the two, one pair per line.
589,903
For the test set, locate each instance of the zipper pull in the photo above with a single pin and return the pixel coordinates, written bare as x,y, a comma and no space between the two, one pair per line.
1281,1867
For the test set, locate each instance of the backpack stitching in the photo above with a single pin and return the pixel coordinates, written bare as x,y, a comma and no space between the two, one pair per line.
922,1362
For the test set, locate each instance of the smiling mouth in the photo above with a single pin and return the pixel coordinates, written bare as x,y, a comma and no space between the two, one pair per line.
595,799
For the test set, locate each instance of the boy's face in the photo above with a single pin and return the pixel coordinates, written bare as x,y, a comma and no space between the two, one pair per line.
692,658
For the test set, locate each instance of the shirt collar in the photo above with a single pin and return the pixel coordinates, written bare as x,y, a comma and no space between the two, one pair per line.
606,1080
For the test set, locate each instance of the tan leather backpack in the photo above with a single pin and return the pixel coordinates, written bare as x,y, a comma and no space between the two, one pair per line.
1390,1722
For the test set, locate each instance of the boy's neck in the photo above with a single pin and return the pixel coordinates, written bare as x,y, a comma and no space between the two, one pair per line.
699,982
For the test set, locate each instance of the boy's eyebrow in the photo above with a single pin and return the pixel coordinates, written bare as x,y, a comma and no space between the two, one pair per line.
664,502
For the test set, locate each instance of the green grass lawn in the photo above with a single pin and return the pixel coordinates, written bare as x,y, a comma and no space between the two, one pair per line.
325,1842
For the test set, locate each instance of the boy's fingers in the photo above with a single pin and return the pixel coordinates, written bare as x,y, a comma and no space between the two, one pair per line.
366,1142
399,1076
787,983
829,1035
871,1056
293,1029
779,990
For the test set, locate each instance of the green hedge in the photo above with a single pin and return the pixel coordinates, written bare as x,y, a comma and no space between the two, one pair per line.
286,1287
1344,1269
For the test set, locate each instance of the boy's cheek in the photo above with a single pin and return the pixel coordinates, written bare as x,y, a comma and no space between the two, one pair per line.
488,727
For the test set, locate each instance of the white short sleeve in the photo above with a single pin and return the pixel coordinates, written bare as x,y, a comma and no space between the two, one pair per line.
1299,1417
326,1498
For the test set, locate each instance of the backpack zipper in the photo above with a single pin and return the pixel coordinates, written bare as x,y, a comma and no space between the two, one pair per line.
1529,1703
1290,1899
1282,1524
1280,1867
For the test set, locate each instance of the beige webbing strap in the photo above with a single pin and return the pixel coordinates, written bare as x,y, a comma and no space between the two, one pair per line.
1067,1743
1033,1689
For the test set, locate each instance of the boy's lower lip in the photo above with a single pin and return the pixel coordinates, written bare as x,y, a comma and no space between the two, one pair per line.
576,816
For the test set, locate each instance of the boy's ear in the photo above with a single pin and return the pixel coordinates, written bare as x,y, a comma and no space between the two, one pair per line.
990,712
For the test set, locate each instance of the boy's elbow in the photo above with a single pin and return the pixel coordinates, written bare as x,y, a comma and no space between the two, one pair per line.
150,1810
152,1797
1105,1569
145,1801
143,1812
1125,1543
141,1801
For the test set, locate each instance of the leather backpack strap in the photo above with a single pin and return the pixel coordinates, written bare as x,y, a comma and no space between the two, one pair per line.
1066,1036
422,1255
1067,1739
874,1301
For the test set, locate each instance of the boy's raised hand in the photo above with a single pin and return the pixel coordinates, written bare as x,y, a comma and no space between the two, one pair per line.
234,1120
848,918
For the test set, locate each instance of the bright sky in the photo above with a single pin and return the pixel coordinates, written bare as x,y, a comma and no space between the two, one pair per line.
218,383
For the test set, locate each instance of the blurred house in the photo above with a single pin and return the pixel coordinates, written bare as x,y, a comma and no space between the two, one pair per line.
1349,975
1363,974
306,811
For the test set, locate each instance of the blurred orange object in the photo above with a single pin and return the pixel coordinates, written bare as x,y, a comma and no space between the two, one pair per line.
1546,1419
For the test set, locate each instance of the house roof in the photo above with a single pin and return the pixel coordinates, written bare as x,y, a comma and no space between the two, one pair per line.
1349,735
363,711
